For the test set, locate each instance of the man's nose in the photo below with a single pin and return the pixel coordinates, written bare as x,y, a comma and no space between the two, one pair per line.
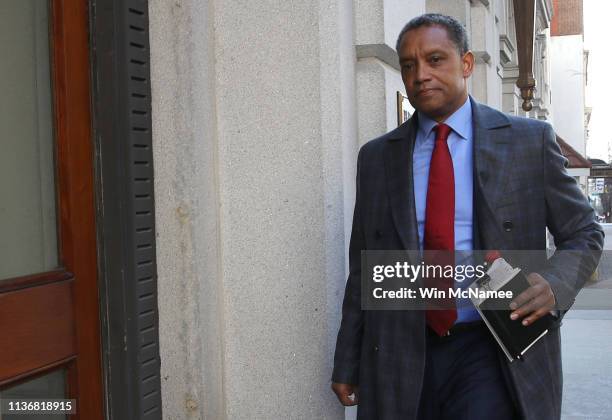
422,73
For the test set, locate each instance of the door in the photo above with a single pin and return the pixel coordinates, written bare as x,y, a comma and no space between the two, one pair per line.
49,311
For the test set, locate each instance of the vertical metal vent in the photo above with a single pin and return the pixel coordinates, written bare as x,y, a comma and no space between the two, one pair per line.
143,228
122,103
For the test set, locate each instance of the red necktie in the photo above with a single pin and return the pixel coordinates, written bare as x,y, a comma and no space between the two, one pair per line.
440,228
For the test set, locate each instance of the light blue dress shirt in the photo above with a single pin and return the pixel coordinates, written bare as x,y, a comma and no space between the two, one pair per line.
461,145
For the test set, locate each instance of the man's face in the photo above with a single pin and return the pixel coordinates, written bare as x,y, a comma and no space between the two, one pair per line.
433,71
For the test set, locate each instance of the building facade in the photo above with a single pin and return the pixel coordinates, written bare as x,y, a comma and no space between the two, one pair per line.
259,112
200,159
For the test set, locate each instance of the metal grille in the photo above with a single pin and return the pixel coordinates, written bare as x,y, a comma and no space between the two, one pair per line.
122,102
143,229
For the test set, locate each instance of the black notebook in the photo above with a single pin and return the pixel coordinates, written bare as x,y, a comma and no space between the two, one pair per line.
513,337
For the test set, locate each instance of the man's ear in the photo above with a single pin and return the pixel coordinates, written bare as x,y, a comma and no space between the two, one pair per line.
468,64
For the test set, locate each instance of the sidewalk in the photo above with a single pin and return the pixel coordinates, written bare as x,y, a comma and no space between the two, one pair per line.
586,340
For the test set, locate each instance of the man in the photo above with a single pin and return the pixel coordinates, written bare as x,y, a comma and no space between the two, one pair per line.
506,181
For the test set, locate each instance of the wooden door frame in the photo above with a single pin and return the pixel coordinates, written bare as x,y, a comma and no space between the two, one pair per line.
74,160
121,95
102,106
60,326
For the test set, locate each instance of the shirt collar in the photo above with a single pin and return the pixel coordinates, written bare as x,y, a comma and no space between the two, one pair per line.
460,121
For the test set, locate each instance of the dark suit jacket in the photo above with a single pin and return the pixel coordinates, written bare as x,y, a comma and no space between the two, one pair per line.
521,186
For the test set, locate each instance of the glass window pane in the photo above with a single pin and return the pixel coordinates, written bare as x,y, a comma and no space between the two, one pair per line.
49,386
28,237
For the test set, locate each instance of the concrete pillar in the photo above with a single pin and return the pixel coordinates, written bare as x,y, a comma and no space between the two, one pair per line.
460,10
486,86
255,144
511,97
377,26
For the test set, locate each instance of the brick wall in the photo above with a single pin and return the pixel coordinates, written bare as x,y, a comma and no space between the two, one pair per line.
567,18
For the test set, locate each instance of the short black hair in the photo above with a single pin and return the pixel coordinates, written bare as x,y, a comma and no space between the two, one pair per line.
455,30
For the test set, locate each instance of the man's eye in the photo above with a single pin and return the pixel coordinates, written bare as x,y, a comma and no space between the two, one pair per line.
435,59
408,66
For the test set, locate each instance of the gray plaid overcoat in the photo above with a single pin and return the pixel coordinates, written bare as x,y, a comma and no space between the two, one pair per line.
521,186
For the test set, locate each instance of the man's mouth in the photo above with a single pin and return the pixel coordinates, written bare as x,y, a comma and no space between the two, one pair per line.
426,92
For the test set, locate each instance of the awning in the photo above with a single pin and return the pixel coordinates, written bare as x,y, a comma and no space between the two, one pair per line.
576,160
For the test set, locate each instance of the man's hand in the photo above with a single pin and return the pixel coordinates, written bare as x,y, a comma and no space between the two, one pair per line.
344,393
534,302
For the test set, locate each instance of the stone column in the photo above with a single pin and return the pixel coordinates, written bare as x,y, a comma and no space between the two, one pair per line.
377,25
255,144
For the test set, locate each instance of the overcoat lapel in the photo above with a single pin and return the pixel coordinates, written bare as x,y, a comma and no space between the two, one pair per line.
492,164
400,188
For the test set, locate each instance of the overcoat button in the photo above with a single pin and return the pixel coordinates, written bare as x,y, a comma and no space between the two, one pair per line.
379,233
375,348
508,225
